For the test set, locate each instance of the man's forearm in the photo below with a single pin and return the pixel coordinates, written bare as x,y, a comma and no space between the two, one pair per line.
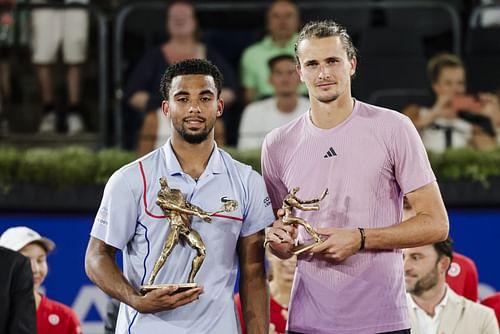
102,269
422,229
254,296
429,225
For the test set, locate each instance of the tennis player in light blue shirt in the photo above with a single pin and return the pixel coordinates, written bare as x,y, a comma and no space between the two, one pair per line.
129,220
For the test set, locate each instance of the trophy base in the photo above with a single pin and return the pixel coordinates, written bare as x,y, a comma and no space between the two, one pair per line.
304,247
180,287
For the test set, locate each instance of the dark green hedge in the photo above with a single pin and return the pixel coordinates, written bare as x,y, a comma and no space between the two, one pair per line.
73,166
466,163
63,168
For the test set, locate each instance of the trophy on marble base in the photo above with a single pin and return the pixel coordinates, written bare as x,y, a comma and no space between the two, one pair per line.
178,210
290,202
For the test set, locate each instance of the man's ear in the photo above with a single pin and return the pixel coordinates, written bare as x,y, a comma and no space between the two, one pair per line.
220,107
354,65
299,72
165,108
444,264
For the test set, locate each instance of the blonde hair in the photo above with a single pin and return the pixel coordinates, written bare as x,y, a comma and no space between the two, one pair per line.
326,28
441,61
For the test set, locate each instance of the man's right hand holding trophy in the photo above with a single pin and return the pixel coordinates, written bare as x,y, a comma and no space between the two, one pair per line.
283,233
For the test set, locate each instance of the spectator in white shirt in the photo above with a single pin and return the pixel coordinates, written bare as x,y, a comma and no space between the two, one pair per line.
260,117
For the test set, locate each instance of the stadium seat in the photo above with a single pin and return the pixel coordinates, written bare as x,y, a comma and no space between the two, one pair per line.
482,59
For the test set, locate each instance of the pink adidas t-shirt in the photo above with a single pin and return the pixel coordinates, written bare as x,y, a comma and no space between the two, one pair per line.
367,163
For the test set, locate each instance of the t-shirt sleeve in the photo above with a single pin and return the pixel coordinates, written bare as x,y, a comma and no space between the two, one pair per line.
115,221
258,212
411,163
270,171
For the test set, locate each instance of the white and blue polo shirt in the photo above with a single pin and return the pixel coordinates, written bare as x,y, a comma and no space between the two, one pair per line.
130,220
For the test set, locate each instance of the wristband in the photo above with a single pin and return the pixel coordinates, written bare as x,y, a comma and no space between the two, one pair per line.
363,237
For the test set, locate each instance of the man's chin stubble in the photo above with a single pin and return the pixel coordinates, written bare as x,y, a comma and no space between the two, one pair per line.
328,100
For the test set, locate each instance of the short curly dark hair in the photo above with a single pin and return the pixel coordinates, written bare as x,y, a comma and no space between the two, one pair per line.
272,62
444,248
190,66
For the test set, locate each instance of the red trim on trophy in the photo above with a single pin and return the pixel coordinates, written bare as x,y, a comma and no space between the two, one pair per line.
144,199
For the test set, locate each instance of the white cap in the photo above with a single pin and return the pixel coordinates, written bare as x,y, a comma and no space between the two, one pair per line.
16,238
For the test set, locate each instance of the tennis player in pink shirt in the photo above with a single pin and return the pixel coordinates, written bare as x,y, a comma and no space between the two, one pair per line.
369,158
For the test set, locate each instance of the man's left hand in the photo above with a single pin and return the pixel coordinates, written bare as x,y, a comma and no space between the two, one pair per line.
338,243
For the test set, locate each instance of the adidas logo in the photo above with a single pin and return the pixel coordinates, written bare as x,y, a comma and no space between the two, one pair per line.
330,153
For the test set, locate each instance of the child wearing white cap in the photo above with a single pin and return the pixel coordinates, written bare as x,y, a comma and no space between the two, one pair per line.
52,317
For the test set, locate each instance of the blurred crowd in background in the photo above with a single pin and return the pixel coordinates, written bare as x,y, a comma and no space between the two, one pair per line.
91,69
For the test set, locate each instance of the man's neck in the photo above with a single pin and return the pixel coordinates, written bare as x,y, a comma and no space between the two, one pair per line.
193,158
287,103
428,300
329,115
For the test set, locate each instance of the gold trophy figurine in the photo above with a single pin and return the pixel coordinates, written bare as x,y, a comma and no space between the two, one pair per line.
175,207
290,202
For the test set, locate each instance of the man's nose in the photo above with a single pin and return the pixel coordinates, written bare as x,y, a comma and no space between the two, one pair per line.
324,73
407,266
194,107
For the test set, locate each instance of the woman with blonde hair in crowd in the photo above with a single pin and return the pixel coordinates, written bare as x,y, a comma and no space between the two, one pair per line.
141,91
455,119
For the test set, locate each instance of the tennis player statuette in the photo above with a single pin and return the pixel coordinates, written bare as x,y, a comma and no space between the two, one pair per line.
178,210
290,202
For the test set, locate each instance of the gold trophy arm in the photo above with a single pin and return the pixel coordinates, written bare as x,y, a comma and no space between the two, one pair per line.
216,212
191,209
293,197
307,208
194,210
314,200
289,204
309,201
228,206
